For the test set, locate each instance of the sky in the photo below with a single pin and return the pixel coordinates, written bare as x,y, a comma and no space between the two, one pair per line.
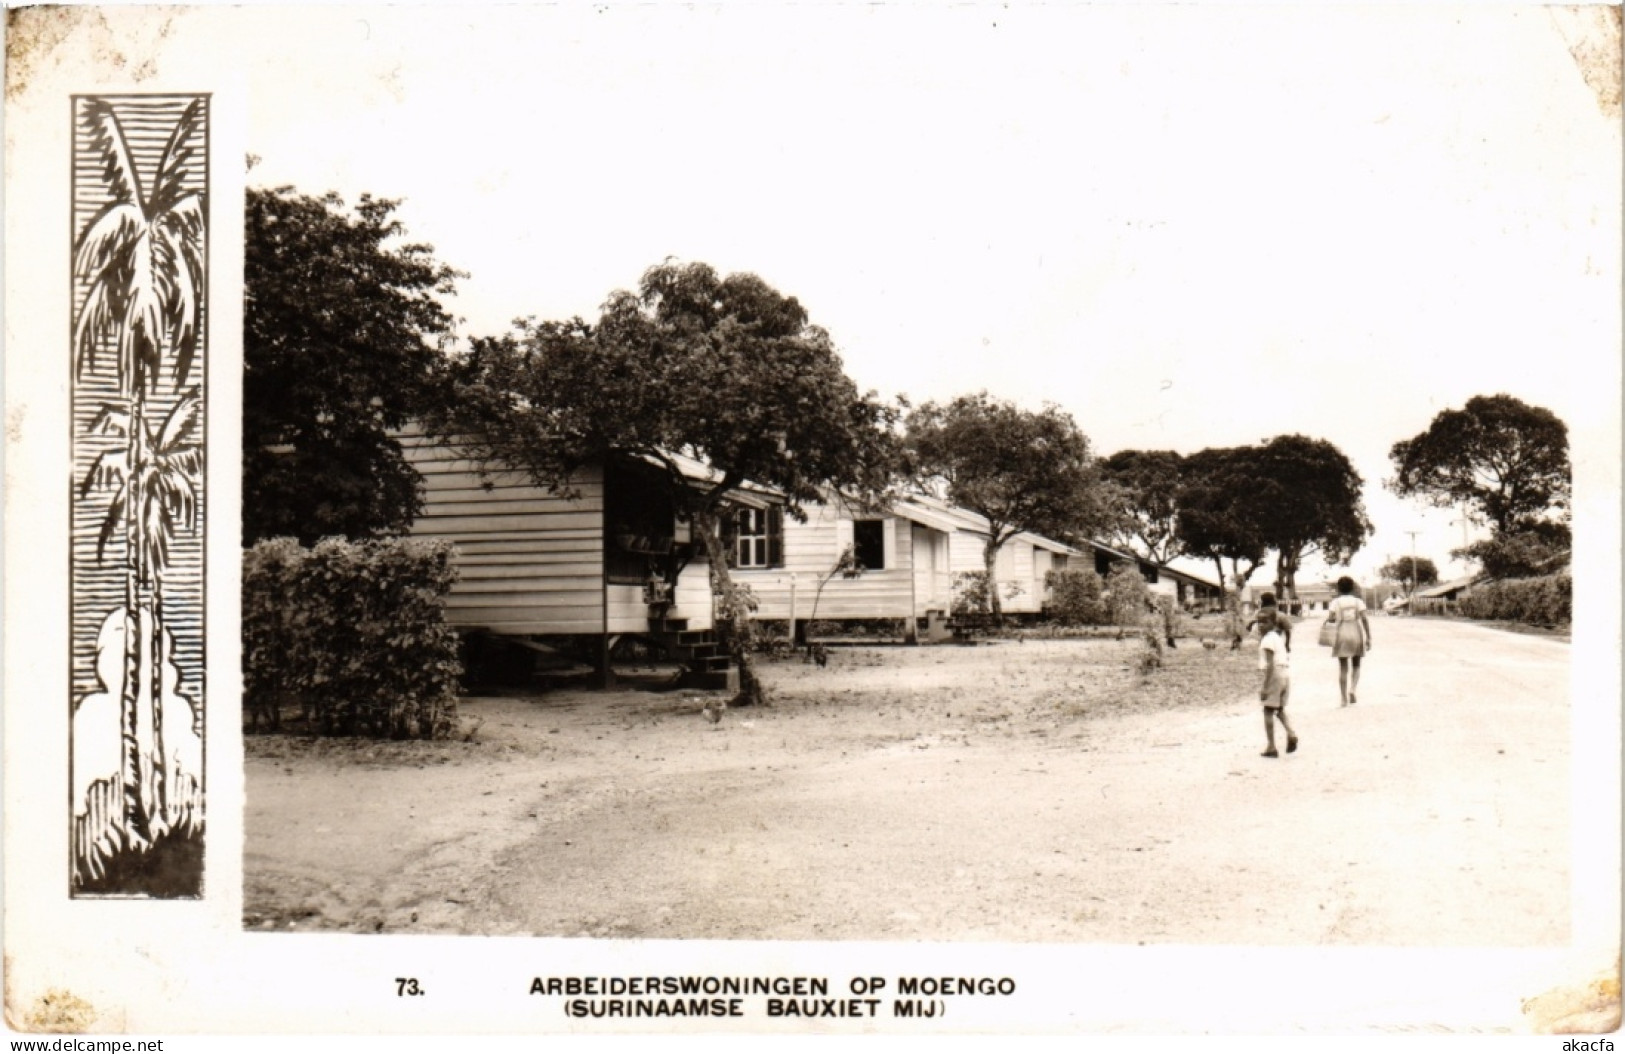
1187,226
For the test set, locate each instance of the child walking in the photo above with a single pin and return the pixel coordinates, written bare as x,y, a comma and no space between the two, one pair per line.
1276,662
1267,604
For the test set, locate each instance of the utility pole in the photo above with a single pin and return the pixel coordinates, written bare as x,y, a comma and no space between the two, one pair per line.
1413,535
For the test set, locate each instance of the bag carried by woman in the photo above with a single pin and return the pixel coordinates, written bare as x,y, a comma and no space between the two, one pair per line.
1328,631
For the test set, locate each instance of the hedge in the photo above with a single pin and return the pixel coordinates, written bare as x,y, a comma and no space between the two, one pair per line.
1544,601
354,633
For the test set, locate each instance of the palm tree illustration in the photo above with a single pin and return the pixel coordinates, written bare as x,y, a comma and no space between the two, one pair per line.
158,492
140,260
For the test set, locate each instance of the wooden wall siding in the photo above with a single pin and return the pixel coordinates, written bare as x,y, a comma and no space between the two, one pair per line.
692,598
1015,564
875,594
1020,570
965,552
933,584
811,549
628,613
530,561
900,543
1043,560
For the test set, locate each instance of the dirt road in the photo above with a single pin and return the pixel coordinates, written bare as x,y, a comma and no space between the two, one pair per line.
949,793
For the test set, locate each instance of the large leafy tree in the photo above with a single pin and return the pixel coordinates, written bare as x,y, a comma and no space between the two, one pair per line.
1019,469
1307,500
724,370
1218,516
1147,486
1410,571
1505,459
344,331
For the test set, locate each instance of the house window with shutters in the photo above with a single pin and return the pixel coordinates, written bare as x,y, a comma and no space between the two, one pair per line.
759,538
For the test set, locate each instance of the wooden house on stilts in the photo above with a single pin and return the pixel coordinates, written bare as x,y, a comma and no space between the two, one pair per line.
607,557
610,556
909,558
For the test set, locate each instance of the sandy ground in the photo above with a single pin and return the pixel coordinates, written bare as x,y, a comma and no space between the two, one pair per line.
1033,791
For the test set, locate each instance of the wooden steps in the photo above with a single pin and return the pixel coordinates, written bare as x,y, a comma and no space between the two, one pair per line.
706,665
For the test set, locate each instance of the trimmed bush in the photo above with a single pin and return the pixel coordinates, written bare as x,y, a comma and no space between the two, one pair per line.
354,633
1544,601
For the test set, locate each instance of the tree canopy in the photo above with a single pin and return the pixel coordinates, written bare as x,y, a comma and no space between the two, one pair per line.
1533,550
1499,455
1217,513
1423,574
725,370
1021,470
1308,500
343,337
1147,486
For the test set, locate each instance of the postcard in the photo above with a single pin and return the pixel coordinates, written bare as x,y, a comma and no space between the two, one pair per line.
838,519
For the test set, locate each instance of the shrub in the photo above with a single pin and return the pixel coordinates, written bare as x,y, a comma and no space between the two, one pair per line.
1150,651
1127,595
766,633
1544,601
355,633
1532,551
877,628
971,596
1173,621
736,630
1076,598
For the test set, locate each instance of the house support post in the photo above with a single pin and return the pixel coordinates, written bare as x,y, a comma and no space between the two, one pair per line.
793,638
605,671
911,625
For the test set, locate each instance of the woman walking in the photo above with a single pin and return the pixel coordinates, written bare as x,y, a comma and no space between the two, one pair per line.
1351,639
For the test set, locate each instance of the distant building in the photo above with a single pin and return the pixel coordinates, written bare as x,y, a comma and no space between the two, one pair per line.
910,552
1191,591
1312,596
1451,590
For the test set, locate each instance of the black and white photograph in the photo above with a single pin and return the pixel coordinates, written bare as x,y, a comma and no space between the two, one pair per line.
831,518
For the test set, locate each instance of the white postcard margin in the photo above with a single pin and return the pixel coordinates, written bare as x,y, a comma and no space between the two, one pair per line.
188,966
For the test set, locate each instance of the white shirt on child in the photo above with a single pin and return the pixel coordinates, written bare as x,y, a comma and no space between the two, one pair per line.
1274,642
